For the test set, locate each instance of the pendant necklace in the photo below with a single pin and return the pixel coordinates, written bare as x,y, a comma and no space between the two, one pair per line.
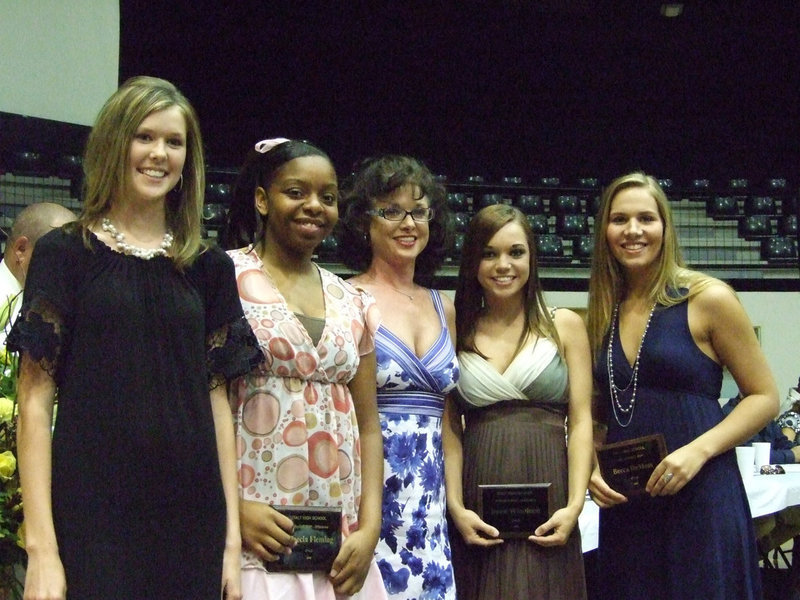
406,294
626,410
409,296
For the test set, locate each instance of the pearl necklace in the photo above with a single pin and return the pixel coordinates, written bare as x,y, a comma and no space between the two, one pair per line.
126,248
616,405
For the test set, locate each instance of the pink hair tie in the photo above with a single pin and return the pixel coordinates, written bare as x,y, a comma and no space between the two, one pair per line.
267,145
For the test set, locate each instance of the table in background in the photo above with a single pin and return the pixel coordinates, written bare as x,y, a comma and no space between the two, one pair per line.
766,494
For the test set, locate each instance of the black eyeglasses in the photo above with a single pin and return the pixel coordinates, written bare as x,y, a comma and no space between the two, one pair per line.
421,214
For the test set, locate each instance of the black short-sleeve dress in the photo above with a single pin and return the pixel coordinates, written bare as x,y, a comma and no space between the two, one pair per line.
134,347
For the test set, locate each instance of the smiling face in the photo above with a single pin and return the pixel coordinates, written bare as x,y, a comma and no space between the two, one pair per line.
635,232
300,203
504,268
157,155
405,239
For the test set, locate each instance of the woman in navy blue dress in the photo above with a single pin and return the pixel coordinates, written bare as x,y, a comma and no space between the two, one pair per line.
661,335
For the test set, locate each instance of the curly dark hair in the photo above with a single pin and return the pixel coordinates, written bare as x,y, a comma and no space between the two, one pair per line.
376,178
243,225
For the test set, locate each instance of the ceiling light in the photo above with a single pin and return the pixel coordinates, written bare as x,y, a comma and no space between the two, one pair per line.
671,10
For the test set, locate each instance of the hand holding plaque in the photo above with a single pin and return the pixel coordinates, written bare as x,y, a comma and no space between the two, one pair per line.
318,532
516,510
627,466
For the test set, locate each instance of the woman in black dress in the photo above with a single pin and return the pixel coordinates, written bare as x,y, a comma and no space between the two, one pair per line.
137,326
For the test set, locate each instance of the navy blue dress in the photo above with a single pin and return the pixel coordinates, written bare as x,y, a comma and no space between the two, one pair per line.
699,543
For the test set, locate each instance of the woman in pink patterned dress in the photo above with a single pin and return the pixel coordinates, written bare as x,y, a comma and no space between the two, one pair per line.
307,425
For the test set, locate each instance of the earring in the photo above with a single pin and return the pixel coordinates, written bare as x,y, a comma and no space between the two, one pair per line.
179,187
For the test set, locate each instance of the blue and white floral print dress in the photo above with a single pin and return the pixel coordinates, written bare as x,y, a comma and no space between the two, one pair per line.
414,549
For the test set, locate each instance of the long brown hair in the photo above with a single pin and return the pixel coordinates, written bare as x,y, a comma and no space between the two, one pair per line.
671,282
469,294
108,150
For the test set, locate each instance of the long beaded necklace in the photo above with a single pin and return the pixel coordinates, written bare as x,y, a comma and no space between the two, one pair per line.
126,248
614,389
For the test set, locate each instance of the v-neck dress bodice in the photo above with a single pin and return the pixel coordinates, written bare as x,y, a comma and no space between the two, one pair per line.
414,549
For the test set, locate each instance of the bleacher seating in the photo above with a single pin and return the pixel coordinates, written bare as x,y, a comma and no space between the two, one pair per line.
538,224
755,226
328,249
760,205
488,199
787,226
729,225
457,202
722,207
779,249
550,248
565,204
460,221
582,247
530,204
572,225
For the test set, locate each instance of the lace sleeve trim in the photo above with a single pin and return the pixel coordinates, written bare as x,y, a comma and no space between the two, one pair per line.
39,332
232,351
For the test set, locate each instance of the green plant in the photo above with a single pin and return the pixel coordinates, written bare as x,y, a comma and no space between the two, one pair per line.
12,548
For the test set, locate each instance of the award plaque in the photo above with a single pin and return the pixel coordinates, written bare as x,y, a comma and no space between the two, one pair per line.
318,531
626,466
516,510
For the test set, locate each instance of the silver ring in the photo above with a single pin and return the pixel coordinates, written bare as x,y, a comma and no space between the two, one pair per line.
667,477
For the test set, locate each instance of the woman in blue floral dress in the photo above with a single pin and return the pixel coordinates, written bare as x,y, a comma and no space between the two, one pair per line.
395,232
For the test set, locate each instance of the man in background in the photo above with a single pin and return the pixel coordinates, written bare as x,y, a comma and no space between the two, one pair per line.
31,224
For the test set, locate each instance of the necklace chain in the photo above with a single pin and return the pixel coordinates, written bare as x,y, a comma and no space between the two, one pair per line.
126,248
406,294
614,389
409,296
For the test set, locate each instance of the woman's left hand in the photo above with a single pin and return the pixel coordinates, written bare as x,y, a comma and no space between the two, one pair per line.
350,568
675,471
231,572
556,530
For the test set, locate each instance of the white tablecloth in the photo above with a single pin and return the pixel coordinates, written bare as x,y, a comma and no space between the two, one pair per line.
766,494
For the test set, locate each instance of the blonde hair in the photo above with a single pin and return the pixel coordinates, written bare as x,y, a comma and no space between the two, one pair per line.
671,282
108,151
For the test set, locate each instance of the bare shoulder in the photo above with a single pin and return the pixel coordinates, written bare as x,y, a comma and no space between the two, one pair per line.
567,317
447,303
717,296
568,322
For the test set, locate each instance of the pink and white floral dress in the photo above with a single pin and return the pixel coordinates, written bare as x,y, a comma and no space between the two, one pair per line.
296,430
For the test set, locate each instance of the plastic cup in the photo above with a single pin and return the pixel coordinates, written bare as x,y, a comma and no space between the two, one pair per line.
762,453
745,457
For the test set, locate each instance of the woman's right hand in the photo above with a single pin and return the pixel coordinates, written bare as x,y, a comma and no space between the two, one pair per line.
474,530
44,577
602,494
265,531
